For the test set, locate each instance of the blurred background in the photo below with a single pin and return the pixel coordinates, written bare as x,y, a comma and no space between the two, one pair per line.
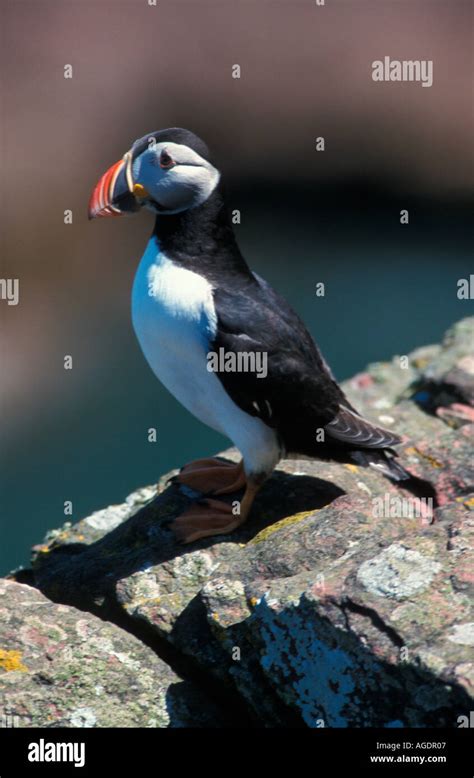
306,216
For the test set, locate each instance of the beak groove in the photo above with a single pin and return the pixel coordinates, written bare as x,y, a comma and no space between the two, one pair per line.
114,193
102,198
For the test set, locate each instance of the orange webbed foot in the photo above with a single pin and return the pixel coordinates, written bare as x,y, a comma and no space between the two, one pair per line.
213,476
208,517
214,517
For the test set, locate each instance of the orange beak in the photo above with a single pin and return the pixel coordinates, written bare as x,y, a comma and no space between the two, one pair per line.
105,197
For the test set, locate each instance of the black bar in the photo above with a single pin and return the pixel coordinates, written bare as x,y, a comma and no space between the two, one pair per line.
148,751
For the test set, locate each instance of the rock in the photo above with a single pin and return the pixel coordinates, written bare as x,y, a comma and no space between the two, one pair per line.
449,377
346,600
61,667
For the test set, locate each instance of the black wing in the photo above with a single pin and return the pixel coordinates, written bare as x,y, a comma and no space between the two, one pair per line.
299,395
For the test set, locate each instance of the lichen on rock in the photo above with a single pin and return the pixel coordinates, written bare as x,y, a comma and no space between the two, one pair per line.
320,611
65,668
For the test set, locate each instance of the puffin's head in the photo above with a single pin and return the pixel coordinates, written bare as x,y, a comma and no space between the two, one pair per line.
167,172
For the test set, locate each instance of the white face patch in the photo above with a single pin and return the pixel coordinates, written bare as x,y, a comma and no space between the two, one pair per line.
186,183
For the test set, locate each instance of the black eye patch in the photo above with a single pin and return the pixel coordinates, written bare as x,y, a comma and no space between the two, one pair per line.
166,160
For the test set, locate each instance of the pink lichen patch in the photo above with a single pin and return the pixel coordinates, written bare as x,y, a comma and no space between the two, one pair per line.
54,713
456,415
464,575
448,487
362,380
38,637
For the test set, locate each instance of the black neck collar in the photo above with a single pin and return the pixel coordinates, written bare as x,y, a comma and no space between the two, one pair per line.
202,239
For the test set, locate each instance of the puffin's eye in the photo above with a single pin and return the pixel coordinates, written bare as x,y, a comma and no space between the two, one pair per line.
166,160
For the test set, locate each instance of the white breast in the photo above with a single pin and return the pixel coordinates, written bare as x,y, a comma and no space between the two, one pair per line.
174,319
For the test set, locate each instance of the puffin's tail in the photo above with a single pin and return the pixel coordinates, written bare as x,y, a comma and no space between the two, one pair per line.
372,444
384,462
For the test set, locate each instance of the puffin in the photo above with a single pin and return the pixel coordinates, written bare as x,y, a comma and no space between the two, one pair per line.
194,297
